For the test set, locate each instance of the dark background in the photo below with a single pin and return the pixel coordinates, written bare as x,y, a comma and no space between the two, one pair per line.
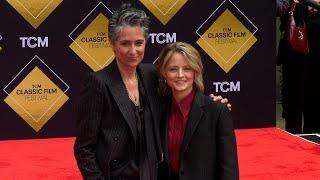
252,107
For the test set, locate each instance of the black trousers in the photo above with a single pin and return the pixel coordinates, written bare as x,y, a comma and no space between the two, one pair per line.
300,74
294,81
174,177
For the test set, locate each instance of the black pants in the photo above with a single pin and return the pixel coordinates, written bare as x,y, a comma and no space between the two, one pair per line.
299,78
174,177
294,77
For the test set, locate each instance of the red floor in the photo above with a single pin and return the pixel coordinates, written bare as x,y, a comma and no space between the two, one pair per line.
271,153
267,153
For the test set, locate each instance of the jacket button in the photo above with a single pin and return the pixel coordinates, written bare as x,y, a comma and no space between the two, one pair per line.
116,138
182,172
113,163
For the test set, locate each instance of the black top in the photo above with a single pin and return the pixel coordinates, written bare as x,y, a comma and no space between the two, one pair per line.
140,164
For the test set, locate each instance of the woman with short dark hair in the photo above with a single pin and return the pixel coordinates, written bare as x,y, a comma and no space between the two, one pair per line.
117,137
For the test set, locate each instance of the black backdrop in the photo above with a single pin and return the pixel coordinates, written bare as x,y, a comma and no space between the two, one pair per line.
249,84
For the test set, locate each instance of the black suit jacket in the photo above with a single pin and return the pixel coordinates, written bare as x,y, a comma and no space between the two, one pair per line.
106,132
208,151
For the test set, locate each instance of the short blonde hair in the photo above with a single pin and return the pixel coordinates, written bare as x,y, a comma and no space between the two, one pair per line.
193,59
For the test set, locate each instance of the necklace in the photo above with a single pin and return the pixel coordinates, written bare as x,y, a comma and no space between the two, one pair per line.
132,97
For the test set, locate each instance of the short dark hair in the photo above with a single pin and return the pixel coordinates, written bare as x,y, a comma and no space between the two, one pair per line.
127,15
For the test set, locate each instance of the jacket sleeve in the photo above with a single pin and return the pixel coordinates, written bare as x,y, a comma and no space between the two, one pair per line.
87,128
227,147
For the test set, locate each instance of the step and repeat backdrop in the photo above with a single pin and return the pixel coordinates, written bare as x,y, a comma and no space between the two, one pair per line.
48,46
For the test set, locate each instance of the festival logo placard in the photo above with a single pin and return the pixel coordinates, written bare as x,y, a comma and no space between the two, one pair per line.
36,98
164,10
91,42
34,11
227,39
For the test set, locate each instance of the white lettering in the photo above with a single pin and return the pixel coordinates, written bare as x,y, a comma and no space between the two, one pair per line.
33,42
162,38
227,86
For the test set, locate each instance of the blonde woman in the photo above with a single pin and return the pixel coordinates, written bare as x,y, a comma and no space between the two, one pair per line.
197,133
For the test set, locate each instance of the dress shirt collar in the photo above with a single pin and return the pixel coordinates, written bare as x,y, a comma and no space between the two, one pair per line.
184,105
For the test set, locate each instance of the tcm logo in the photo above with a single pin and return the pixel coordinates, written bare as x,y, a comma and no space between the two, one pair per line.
34,42
162,38
227,86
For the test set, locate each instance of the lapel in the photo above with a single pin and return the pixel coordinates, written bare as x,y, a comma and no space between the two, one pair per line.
151,91
119,93
195,116
150,84
164,128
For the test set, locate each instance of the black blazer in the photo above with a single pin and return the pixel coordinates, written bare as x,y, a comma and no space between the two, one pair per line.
208,151
106,132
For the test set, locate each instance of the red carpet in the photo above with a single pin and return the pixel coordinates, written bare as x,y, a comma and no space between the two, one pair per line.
270,153
41,159
267,153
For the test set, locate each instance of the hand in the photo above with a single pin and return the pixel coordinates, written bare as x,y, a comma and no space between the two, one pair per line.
221,99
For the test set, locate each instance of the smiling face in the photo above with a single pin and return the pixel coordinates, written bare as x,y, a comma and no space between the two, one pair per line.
129,47
179,75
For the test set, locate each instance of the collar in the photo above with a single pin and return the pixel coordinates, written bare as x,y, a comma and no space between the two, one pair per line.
185,104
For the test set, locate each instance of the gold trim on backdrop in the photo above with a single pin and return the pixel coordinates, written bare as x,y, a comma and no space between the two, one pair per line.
92,45
164,10
227,39
36,98
34,11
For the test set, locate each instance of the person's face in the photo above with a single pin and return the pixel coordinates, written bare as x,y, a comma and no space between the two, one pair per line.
179,75
129,47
